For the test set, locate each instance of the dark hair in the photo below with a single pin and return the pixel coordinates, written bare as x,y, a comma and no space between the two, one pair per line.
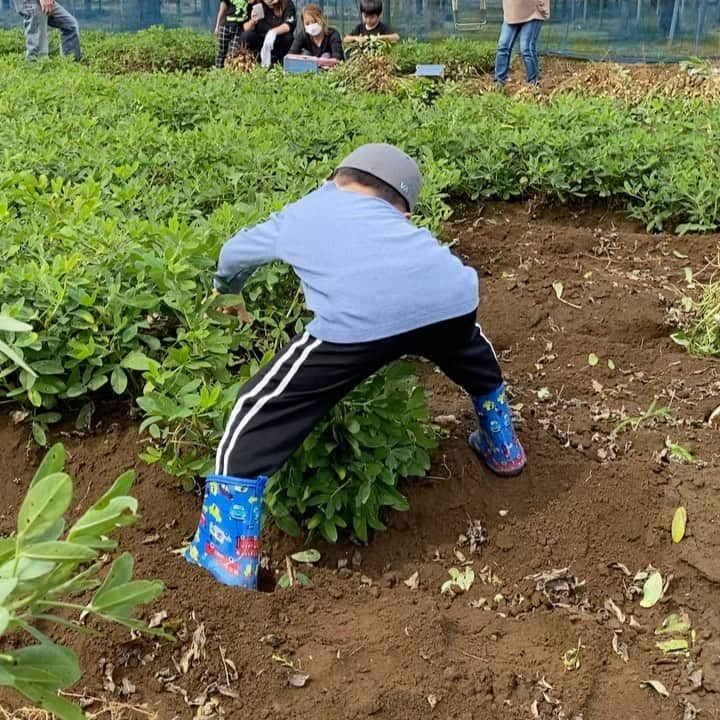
371,7
380,187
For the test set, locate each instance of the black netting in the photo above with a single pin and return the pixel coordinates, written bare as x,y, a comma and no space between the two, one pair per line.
644,30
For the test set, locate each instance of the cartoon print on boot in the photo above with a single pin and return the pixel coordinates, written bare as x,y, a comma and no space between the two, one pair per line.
239,513
219,534
247,547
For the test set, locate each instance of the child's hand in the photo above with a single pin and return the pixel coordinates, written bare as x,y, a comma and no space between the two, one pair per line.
241,311
237,309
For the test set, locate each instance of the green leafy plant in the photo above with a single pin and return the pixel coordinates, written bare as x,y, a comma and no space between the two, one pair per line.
571,657
703,338
114,215
346,471
41,573
291,576
635,421
460,581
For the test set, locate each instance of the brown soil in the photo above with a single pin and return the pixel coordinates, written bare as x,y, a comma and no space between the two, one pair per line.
376,648
629,82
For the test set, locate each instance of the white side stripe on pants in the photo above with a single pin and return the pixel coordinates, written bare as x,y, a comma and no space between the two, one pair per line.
264,400
223,450
485,338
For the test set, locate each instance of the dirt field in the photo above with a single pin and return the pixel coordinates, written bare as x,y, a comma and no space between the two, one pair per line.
633,83
374,647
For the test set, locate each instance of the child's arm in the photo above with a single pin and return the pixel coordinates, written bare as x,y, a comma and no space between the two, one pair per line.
222,12
390,37
246,251
355,35
336,48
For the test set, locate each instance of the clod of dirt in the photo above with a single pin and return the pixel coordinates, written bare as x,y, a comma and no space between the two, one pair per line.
274,641
390,579
711,678
433,700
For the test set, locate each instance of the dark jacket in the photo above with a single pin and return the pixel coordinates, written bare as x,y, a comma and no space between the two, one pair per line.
331,45
271,20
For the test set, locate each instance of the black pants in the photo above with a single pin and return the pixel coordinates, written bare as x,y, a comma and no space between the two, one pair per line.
228,42
278,408
253,41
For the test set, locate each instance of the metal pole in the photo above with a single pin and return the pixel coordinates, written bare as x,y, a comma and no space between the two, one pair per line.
674,23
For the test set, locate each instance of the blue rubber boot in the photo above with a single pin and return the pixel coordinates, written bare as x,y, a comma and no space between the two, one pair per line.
227,541
495,441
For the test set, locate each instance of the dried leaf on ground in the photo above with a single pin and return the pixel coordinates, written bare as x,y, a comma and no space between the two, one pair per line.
619,648
157,619
297,678
433,701
690,712
559,586
619,566
196,651
657,686
474,536
695,675
610,606
413,582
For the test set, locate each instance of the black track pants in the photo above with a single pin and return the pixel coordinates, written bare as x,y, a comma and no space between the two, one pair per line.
278,408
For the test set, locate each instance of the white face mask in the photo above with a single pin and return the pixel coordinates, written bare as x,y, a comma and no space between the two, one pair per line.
313,29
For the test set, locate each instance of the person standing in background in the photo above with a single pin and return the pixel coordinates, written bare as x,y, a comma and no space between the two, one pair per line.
521,19
38,16
232,14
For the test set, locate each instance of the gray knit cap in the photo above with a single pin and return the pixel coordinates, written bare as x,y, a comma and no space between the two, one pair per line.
389,164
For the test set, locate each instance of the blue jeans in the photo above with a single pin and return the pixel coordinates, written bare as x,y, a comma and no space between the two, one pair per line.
528,33
36,24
